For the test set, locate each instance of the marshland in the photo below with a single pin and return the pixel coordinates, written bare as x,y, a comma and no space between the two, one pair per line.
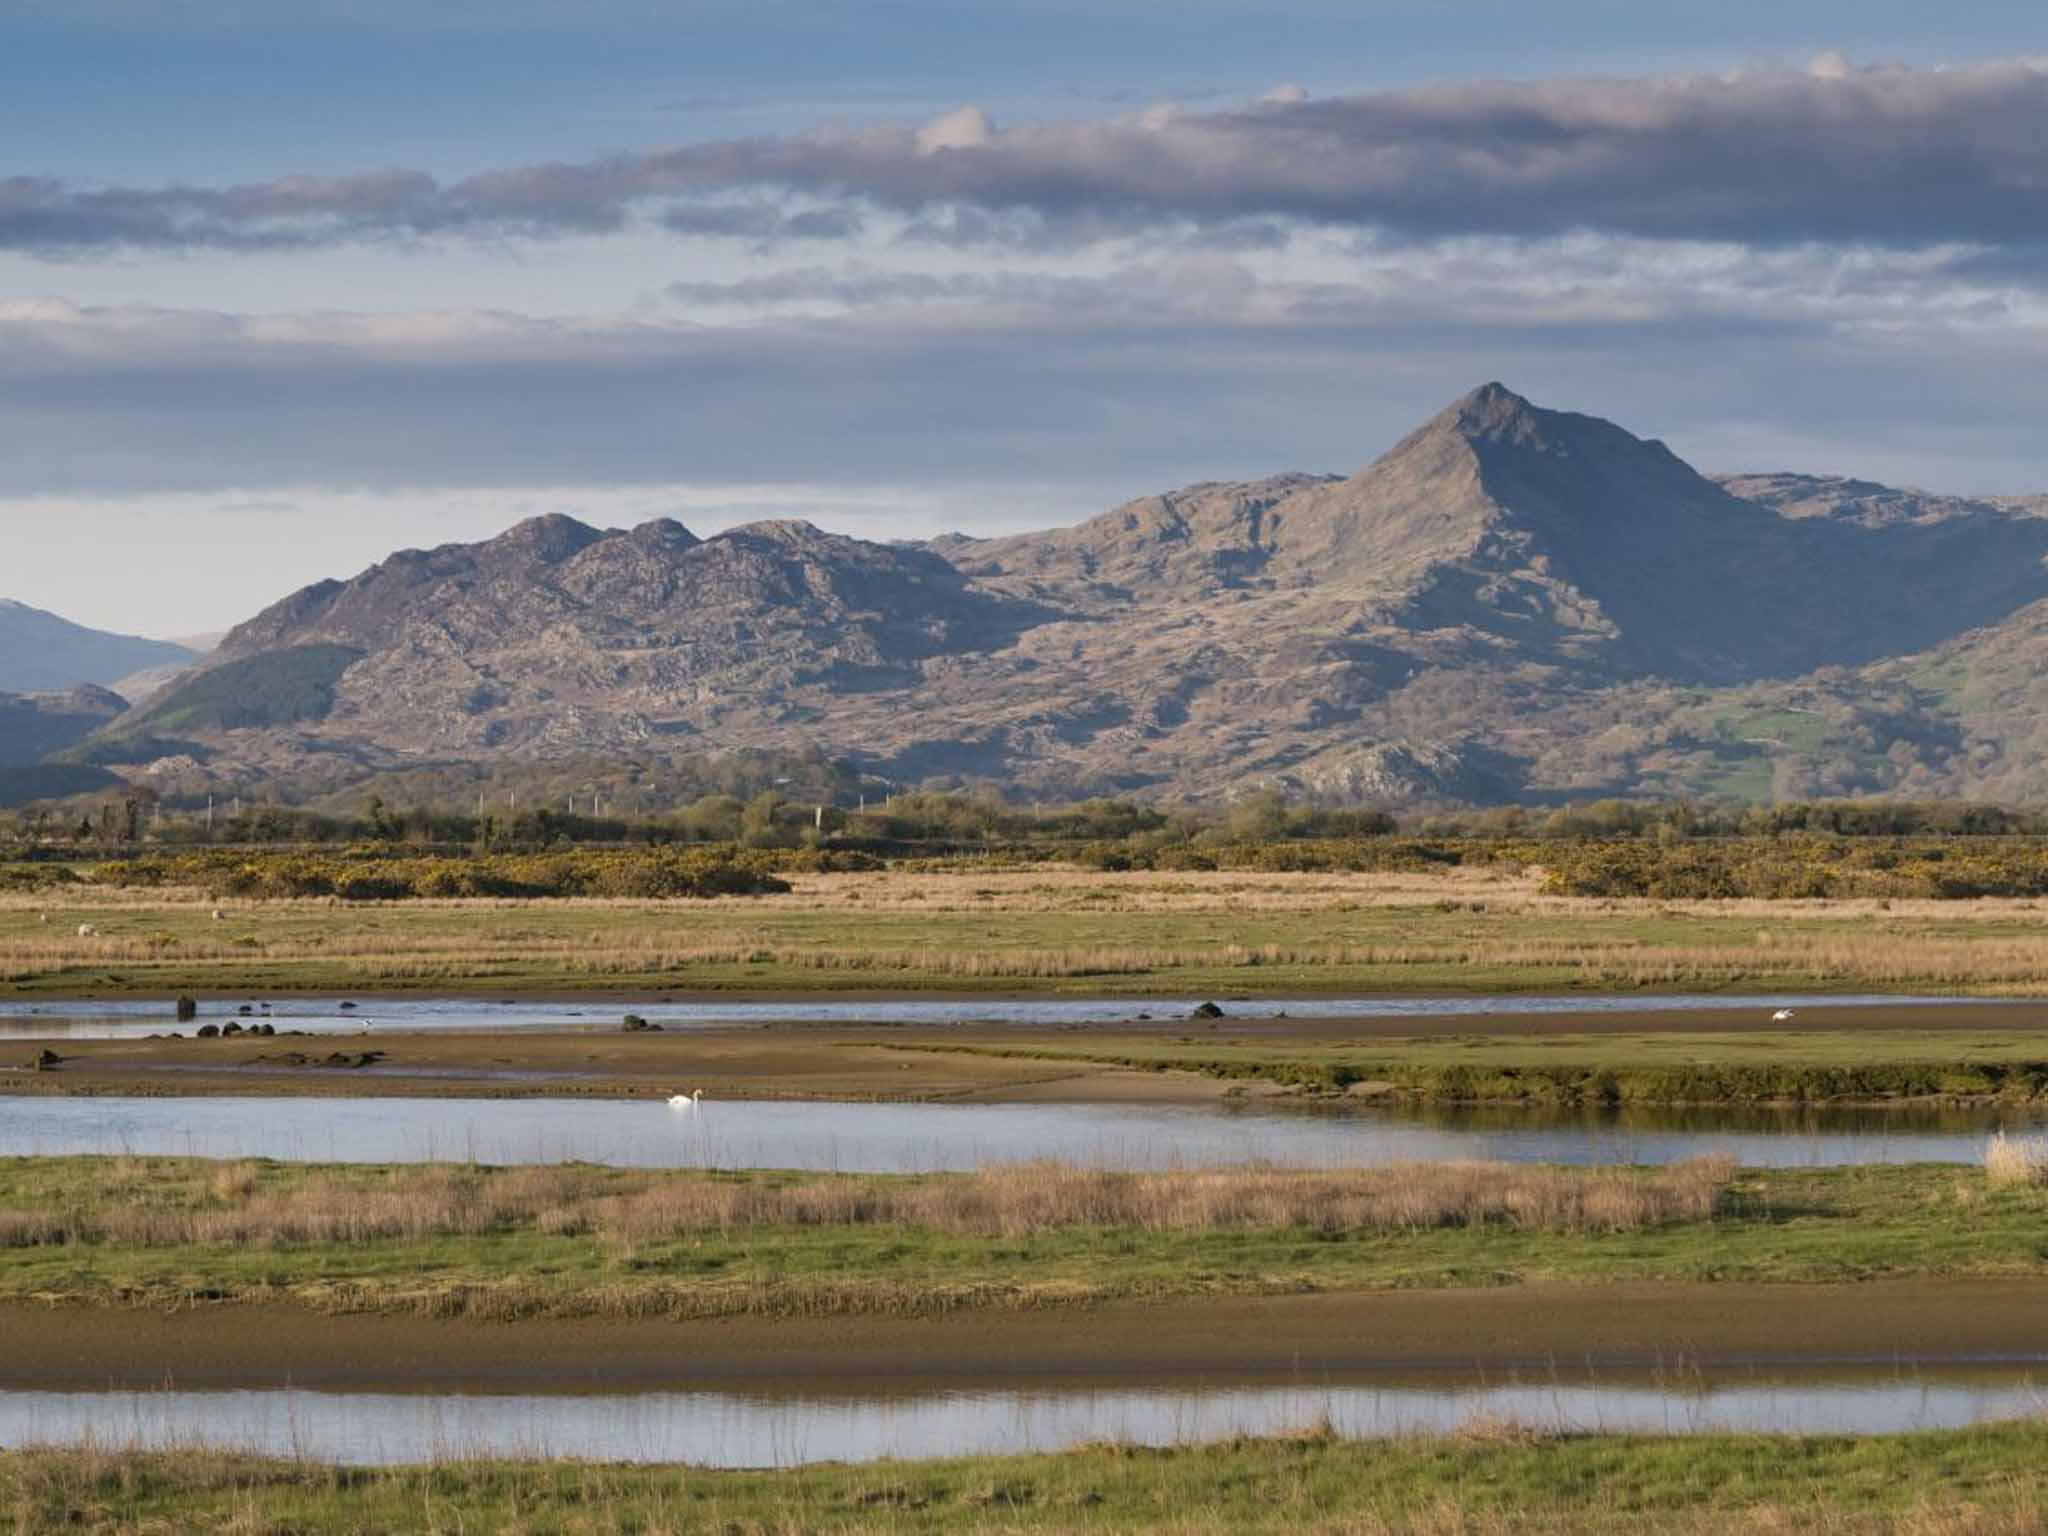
961,1118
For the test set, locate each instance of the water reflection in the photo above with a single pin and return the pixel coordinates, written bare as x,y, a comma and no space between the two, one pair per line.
930,1138
88,1020
720,1429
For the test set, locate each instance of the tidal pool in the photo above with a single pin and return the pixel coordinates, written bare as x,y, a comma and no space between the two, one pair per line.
729,1429
932,1138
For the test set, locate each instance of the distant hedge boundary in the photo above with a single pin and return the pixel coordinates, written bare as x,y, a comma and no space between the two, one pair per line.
366,875
1776,868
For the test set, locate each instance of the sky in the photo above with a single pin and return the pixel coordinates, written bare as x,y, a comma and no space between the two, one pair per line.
286,285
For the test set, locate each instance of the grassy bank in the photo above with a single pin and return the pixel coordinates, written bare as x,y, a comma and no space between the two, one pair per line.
1586,1071
1051,930
586,1242
1490,1479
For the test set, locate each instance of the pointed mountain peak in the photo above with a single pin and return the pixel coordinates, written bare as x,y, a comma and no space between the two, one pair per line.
1493,412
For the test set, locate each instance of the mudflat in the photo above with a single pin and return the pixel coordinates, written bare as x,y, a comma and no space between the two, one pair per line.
970,1061
1529,1327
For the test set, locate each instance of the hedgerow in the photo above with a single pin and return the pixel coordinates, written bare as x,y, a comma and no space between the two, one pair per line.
379,875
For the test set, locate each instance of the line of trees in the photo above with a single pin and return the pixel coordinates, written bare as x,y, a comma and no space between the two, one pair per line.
1114,830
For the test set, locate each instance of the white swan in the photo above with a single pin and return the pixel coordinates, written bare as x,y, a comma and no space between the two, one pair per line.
1781,1015
685,1100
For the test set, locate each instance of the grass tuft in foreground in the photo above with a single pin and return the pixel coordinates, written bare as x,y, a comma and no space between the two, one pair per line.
2016,1160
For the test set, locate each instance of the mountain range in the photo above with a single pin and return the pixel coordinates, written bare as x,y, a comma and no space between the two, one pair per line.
42,653
1512,603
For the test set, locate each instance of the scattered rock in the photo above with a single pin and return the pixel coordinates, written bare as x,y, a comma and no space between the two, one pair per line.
42,1061
348,1007
245,1010
231,1028
633,1024
1207,1011
209,1031
359,1060
264,1029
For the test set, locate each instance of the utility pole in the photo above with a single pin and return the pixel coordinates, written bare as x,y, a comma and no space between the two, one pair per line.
209,813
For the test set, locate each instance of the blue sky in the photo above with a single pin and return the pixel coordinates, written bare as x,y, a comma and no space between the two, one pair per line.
286,286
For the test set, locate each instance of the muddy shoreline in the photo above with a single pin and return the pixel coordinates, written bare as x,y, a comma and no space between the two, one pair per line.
1563,1329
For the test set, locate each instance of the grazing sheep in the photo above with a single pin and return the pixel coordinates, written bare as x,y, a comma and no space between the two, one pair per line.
219,916
87,931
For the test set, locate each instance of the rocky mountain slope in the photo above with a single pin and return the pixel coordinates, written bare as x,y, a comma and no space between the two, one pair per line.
34,726
1511,603
40,652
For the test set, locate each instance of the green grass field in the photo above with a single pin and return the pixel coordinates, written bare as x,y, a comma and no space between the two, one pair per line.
1055,931
1978,1482
1828,1225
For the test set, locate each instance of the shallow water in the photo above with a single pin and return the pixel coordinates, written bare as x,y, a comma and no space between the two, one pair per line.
722,1429
88,1020
931,1138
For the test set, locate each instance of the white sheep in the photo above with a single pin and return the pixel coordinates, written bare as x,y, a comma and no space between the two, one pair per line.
87,931
219,916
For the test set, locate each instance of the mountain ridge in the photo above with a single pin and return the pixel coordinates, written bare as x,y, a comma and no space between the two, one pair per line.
1510,602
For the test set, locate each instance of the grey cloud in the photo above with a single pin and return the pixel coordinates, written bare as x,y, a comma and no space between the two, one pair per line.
1891,157
763,222
1149,376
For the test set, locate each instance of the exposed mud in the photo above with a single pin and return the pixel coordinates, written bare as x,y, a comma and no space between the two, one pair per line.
1664,1328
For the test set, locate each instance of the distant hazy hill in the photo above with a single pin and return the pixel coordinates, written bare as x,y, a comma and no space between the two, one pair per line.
40,652
1511,603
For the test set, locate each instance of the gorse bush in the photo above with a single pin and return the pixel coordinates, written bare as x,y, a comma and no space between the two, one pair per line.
35,877
379,875
1784,868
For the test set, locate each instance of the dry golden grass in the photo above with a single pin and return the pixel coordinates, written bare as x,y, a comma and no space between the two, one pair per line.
2014,964
2016,1160
1011,1201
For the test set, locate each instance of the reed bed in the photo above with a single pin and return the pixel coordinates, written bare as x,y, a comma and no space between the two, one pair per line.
2016,1160
237,1206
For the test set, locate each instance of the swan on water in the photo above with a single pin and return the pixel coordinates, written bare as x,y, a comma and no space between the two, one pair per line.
685,1100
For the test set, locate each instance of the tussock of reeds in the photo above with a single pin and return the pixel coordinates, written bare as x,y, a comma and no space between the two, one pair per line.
1009,1201
2016,1160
